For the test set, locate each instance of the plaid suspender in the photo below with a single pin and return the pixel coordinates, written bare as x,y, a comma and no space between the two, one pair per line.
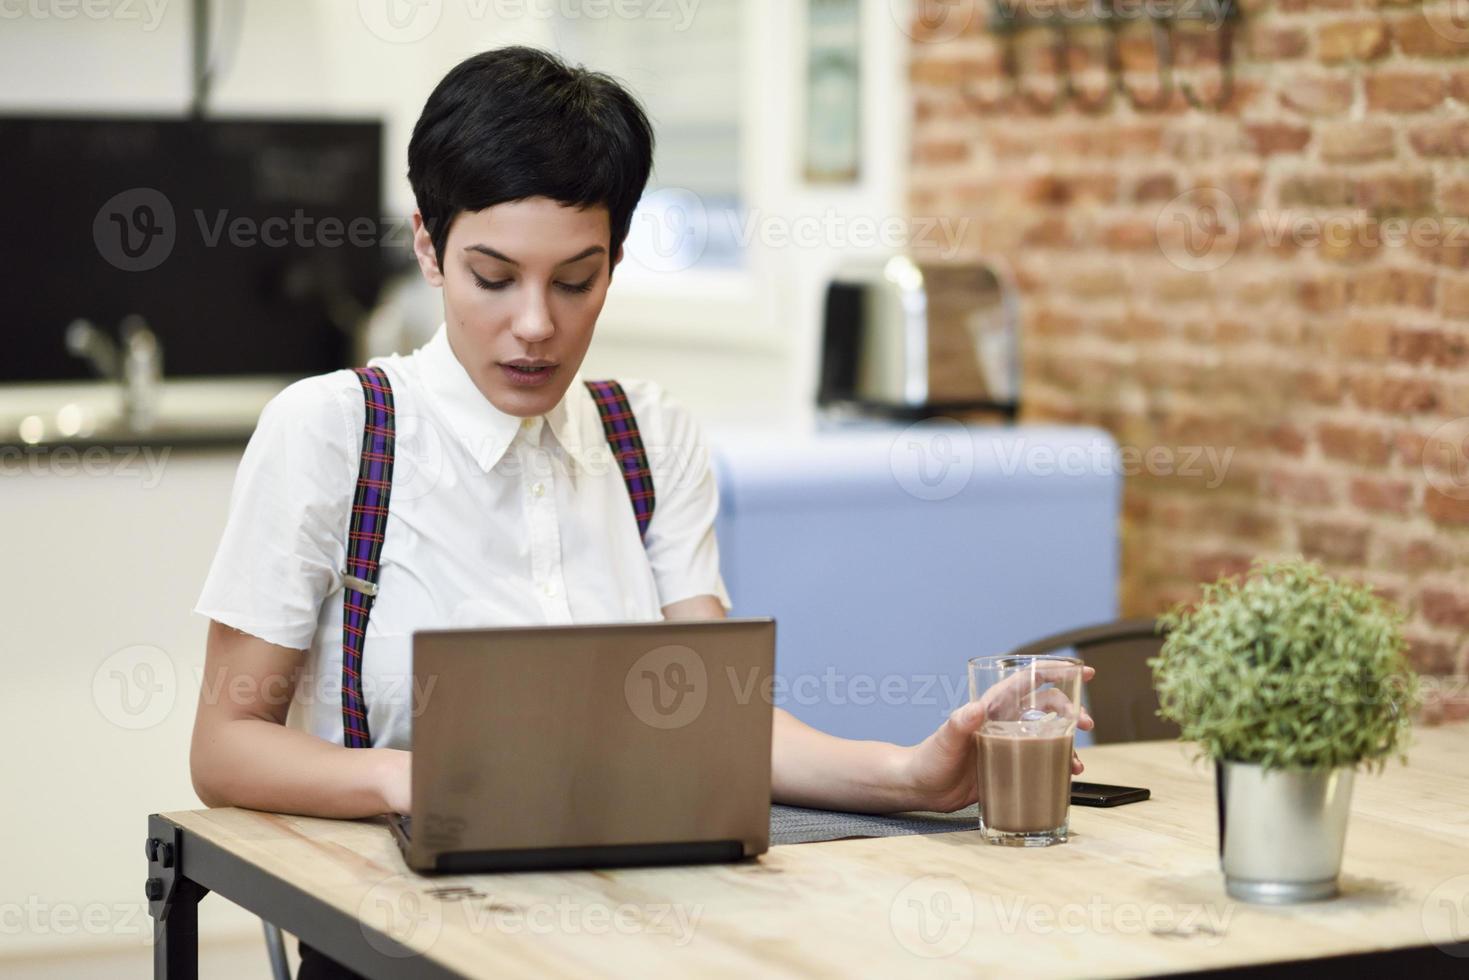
370,519
627,445
365,547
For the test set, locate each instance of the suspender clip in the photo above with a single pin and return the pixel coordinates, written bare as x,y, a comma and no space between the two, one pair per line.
359,584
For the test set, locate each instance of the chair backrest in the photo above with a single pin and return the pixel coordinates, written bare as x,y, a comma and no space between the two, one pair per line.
1121,697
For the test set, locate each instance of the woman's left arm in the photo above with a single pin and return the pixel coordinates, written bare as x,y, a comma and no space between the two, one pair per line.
813,769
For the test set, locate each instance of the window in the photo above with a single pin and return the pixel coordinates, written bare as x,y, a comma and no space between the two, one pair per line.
686,69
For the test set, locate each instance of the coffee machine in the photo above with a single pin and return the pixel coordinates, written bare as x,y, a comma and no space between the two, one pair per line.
903,340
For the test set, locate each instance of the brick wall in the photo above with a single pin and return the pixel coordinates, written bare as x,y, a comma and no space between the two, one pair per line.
1331,358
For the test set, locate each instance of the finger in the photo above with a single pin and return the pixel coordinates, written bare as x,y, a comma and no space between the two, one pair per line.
1076,767
957,733
1053,700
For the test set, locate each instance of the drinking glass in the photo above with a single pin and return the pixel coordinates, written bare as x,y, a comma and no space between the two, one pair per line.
1023,748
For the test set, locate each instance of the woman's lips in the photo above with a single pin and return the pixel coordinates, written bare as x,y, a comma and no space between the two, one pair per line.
528,379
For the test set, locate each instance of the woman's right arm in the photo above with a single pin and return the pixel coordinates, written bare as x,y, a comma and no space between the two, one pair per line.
244,755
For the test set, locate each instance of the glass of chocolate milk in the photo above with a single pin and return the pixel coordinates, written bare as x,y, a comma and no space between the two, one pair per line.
1024,746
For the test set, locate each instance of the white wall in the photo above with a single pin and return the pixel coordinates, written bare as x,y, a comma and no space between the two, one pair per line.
95,565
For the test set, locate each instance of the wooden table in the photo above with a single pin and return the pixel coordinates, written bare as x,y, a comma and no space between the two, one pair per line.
1137,891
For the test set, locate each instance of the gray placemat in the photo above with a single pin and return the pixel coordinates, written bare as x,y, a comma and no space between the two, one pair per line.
798,825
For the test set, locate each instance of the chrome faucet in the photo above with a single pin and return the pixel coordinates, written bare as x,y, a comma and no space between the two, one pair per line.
137,366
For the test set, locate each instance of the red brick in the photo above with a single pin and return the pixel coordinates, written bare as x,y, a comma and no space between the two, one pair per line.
1335,543
1446,138
1442,508
1370,339
1404,91
1272,138
1393,287
1450,248
1347,241
940,151
1430,656
1441,348
1212,566
1287,438
1459,85
1456,299
1318,191
1295,487
1390,496
1269,43
1397,194
1426,37
1454,198
1368,447
1155,187
1356,142
1402,396
1130,235
1413,556
1317,95
1322,294
1352,40
1445,607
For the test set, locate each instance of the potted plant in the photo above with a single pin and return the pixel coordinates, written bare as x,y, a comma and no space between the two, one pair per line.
1290,681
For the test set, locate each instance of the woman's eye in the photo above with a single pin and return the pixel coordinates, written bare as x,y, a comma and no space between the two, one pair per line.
576,287
490,284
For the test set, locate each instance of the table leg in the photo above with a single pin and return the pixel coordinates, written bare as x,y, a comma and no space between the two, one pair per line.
173,903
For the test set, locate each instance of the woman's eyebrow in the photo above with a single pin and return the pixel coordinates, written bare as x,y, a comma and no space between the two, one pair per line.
492,253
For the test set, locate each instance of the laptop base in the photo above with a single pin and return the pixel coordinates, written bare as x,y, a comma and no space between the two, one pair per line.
571,858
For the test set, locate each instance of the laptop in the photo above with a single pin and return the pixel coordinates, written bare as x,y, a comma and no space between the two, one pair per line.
590,746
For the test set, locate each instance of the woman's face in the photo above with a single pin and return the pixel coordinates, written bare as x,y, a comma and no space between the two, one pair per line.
523,285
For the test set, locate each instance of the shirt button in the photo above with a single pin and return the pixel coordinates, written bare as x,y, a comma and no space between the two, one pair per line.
539,489
549,588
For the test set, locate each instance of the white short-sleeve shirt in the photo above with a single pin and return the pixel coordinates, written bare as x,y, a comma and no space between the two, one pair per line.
494,521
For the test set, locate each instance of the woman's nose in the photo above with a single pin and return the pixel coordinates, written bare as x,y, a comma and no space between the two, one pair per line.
533,322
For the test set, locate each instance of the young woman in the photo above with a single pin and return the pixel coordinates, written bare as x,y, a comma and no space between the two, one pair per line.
504,509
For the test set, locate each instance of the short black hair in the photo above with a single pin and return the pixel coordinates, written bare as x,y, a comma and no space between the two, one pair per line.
515,123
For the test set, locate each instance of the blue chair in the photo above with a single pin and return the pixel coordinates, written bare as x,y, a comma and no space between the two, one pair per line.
891,554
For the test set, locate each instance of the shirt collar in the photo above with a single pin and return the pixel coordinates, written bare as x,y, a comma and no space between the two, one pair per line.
485,431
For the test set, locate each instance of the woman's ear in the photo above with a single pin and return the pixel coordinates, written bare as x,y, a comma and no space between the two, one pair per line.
616,258
423,250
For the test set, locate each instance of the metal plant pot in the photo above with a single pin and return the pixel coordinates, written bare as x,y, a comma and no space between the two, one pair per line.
1281,832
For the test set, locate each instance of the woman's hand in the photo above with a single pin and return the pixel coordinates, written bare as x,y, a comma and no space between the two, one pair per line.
940,771
395,781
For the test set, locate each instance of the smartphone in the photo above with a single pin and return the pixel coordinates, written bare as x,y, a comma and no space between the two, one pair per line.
1100,794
